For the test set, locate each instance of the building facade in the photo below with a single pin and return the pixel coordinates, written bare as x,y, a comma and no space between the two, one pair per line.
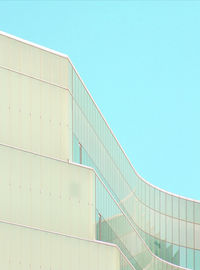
70,198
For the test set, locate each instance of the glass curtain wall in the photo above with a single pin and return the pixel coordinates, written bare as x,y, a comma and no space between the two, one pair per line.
112,225
169,224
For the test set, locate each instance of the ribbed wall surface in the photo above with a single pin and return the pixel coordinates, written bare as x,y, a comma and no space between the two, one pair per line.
26,248
46,193
35,101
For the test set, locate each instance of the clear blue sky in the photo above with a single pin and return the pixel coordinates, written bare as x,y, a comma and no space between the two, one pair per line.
141,62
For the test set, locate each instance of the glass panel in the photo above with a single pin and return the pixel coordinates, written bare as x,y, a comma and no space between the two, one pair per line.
162,202
157,224
162,227
147,227
157,246
197,212
176,231
182,209
157,199
190,211
143,198
182,233
138,190
190,258
152,221
76,150
197,236
151,243
197,259
182,256
147,195
152,197
175,207
139,215
168,205
163,250
169,252
190,235
176,255
169,229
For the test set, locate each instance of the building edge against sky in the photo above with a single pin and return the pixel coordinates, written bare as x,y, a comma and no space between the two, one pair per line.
46,109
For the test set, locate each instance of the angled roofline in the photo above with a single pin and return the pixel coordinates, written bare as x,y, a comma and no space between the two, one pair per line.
33,44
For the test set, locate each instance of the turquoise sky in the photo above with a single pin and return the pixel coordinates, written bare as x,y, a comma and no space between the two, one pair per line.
141,62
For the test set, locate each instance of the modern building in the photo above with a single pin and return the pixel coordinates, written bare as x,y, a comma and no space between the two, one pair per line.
69,196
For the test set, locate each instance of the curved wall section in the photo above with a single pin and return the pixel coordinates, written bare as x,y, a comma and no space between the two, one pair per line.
169,224
114,225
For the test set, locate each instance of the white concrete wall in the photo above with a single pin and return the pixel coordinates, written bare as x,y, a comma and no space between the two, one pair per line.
46,193
23,248
35,114
34,61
